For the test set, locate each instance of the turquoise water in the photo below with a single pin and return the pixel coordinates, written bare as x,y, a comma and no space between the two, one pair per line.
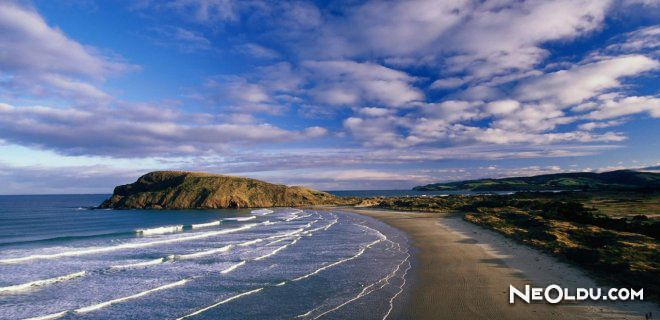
61,260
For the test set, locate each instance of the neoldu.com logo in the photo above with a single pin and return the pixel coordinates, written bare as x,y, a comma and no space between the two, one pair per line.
555,294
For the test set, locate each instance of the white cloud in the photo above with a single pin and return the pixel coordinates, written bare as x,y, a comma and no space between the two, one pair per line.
609,106
582,82
257,51
183,39
447,83
645,40
41,60
500,36
344,82
588,126
205,11
116,133
375,112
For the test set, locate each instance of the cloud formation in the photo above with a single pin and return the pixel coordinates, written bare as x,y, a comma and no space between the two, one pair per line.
391,83
133,132
40,60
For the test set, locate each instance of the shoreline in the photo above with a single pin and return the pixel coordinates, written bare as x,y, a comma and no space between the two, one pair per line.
463,271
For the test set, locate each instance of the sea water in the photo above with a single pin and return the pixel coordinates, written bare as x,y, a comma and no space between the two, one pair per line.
61,259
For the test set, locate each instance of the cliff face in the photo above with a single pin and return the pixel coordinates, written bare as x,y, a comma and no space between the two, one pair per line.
196,190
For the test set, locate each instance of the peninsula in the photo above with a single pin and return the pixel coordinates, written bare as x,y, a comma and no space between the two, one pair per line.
197,190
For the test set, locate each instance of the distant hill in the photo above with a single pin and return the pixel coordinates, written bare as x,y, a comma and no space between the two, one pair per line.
613,180
197,190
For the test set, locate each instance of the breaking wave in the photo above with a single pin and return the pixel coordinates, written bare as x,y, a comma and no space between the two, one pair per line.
262,212
39,283
206,225
125,246
160,230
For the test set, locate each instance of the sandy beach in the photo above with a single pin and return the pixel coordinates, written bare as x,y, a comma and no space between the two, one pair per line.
464,271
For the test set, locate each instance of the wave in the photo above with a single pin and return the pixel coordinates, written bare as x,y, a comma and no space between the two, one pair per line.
203,253
50,316
135,296
274,252
241,218
39,283
125,246
232,267
160,230
111,302
381,283
251,242
262,212
220,303
142,264
298,217
206,225
338,262
68,238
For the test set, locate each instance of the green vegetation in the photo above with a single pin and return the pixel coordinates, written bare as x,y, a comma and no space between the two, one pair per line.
196,190
613,180
618,245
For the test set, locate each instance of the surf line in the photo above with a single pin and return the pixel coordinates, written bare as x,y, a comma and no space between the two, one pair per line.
160,230
125,246
381,283
338,262
104,304
247,293
39,283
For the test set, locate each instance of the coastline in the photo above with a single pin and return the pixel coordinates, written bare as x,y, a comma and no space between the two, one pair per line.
463,271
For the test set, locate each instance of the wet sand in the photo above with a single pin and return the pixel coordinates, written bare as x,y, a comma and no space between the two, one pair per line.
463,272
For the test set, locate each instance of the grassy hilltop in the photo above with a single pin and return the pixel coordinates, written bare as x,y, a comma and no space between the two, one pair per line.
613,180
197,190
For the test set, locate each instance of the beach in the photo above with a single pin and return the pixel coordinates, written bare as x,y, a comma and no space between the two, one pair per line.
463,271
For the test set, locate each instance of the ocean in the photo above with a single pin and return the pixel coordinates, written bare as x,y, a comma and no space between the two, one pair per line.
61,259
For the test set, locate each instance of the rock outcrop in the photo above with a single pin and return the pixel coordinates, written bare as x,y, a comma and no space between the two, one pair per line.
197,190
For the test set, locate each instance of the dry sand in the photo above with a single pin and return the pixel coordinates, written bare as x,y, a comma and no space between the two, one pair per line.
463,272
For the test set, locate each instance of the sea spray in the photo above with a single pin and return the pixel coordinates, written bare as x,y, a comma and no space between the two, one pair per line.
40,283
160,230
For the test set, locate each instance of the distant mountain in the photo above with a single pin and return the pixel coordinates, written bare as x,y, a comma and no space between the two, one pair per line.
613,180
197,190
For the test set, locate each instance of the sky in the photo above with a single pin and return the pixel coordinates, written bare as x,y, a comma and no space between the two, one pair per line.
334,95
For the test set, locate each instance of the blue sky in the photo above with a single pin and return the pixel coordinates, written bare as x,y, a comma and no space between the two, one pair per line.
333,95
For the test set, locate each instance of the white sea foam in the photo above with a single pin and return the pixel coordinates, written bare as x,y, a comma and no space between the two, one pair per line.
206,225
298,217
338,262
160,230
141,264
203,253
262,212
232,267
274,252
381,283
126,245
50,316
135,296
251,242
220,303
39,283
110,302
241,218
